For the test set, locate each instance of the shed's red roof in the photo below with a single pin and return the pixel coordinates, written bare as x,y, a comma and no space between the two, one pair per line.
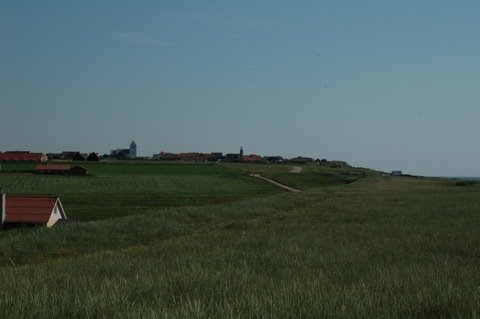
31,209
53,167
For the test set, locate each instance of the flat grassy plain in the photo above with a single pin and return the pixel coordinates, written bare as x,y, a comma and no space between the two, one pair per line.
378,247
120,189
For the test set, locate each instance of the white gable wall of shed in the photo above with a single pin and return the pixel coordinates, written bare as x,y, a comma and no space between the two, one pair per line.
3,200
55,216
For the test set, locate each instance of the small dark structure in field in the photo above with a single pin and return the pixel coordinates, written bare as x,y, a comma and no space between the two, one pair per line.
67,155
78,157
30,211
93,157
78,170
23,156
61,169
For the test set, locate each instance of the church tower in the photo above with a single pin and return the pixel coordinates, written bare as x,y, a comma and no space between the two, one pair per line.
133,150
241,153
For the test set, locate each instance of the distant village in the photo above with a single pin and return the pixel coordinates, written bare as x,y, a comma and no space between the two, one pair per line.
131,154
19,211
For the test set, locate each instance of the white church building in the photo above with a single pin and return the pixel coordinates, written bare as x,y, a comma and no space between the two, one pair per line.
133,150
125,152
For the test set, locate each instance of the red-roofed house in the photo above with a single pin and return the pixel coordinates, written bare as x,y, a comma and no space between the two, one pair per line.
194,157
30,211
19,156
253,158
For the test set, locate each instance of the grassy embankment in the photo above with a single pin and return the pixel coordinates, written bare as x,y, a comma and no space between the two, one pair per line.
382,247
310,175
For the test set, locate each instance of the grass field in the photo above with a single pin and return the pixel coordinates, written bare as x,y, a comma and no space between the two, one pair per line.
379,247
114,190
310,176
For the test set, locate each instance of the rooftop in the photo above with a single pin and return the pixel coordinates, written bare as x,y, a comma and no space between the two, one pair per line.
31,209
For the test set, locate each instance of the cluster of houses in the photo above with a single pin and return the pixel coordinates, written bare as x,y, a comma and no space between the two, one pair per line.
120,153
29,157
74,156
131,153
242,158
209,157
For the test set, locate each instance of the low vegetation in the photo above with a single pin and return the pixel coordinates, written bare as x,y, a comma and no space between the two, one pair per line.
378,247
114,190
309,176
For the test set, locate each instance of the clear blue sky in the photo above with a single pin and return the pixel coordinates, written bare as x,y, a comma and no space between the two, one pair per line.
377,83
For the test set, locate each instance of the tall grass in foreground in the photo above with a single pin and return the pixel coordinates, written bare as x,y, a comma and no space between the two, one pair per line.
380,248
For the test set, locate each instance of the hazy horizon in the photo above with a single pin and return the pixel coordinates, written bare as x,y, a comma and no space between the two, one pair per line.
383,85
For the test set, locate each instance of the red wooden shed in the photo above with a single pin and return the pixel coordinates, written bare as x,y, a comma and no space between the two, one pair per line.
30,211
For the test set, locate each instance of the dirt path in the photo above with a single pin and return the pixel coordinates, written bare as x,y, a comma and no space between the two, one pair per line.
296,170
285,187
